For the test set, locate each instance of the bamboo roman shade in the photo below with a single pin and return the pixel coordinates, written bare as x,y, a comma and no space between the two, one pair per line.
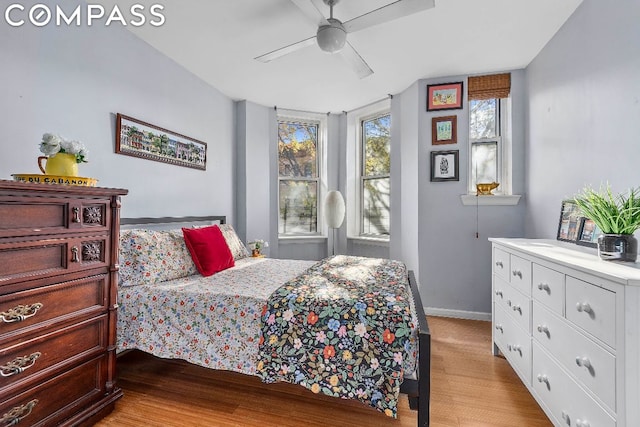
490,86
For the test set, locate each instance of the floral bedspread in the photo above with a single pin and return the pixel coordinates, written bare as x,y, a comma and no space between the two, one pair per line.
342,328
209,321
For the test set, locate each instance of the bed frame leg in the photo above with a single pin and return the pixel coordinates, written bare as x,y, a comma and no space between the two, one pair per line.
424,380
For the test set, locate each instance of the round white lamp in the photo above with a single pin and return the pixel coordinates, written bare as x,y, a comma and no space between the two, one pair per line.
334,210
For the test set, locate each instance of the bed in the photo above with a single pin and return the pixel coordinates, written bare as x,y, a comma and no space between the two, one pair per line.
345,326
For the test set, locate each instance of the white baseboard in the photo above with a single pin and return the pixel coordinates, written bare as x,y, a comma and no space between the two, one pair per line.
457,314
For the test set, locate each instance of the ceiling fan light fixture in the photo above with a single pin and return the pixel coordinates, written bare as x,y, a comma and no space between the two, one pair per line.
331,38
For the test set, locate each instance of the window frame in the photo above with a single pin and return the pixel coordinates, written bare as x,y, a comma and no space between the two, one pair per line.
503,150
361,173
321,123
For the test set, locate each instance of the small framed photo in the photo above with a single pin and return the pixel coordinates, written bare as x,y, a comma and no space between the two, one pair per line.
569,224
444,130
445,166
447,96
588,233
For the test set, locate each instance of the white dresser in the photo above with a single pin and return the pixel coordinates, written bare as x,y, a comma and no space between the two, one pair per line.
569,325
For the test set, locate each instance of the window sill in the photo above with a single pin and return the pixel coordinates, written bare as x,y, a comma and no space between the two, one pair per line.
374,241
286,240
497,200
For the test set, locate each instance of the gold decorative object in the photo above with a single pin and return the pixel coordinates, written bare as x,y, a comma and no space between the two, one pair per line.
485,189
55,179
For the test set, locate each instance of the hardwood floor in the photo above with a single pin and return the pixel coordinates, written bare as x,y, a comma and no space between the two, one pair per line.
470,387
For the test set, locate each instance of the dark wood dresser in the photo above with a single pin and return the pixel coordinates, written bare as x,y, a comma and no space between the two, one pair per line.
58,283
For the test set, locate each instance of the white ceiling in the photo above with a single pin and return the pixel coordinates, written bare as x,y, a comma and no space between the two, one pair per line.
217,41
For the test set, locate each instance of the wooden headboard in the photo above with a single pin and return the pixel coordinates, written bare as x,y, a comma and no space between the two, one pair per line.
168,222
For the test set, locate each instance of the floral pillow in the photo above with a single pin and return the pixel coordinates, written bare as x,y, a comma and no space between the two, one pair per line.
238,249
148,257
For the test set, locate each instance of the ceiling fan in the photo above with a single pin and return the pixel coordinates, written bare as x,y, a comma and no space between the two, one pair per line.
331,36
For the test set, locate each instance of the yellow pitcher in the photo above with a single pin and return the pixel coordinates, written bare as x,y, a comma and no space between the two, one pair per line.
61,164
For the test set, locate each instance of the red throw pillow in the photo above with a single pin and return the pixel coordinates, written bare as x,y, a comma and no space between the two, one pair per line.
209,249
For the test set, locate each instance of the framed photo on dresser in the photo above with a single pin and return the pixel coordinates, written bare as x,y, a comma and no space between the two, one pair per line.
569,224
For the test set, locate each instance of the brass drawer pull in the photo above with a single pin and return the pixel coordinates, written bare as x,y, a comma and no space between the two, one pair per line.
19,365
74,254
17,414
20,313
76,214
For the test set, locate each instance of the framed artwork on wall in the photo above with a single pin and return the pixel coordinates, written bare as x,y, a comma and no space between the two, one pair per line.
140,139
446,96
445,166
569,224
444,130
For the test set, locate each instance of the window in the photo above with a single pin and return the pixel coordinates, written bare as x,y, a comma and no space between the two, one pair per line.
375,188
298,176
489,131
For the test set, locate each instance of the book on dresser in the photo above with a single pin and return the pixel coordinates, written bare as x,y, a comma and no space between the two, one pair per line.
569,324
58,279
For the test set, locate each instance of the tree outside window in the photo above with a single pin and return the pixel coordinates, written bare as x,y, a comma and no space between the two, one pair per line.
298,177
375,175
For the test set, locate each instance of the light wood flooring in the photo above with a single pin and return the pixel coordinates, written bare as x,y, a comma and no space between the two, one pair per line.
470,387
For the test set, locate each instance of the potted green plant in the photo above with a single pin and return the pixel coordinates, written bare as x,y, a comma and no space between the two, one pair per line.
617,216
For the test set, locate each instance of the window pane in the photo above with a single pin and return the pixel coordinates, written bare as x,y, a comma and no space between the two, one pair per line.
298,207
484,163
297,146
483,118
375,206
376,133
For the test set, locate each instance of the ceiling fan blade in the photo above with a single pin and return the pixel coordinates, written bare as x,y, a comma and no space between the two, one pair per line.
387,13
311,11
353,58
275,54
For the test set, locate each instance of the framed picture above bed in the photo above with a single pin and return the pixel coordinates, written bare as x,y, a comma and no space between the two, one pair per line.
140,139
445,166
447,96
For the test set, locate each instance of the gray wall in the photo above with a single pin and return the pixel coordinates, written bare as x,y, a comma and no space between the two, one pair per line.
584,110
72,81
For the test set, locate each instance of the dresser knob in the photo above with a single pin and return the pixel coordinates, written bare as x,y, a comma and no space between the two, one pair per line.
584,306
583,361
566,418
19,365
76,214
74,254
499,328
544,287
499,293
499,264
515,348
20,313
581,423
18,413
517,273
517,308
543,329
543,379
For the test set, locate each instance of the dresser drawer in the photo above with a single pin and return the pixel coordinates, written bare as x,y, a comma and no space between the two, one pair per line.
49,257
40,216
520,277
592,308
513,302
588,361
568,403
548,288
514,343
501,263
49,403
23,360
33,309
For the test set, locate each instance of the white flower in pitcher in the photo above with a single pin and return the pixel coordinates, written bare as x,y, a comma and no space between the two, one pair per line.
53,144
50,144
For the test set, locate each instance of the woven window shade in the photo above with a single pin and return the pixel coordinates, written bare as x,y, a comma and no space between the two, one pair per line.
490,86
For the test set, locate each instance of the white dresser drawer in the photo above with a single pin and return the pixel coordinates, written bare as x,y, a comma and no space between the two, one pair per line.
514,303
548,288
515,344
588,361
520,276
592,308
569,403
501,263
